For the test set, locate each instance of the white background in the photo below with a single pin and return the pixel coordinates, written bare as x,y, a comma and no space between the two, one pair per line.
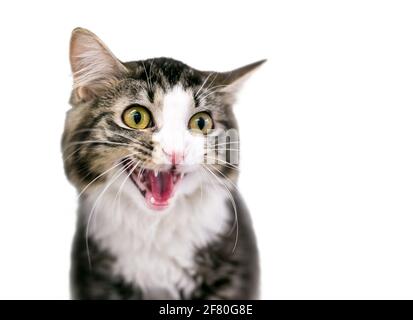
326,129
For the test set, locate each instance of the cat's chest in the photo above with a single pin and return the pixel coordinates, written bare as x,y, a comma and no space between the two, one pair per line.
157,253
155,264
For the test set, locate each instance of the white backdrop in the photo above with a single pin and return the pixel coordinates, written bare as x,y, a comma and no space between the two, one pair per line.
326,129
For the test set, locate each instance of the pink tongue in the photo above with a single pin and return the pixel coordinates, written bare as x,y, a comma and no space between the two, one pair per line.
161,187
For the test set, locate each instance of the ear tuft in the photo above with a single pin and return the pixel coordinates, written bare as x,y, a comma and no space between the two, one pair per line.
94,67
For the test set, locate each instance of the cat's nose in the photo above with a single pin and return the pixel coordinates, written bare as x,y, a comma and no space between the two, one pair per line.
175,157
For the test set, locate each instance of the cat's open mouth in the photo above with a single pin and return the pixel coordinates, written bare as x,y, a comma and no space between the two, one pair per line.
157,187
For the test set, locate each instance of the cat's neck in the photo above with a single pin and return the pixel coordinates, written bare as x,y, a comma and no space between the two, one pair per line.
155,249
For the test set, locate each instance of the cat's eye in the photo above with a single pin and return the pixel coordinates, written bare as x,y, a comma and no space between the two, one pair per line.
201,121
137,117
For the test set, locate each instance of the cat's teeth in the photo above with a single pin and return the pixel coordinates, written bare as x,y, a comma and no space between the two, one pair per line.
182,175
152,200
156,173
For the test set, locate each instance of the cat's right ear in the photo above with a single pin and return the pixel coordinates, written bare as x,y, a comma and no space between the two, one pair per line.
94,67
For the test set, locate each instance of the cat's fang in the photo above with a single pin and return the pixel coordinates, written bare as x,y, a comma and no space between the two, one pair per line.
157,187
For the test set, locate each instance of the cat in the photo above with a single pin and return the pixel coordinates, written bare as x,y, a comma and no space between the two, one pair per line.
160,216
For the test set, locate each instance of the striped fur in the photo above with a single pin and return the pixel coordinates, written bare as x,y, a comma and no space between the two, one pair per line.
203,246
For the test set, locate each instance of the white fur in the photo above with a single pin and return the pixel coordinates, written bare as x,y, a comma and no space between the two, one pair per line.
155,250
174,136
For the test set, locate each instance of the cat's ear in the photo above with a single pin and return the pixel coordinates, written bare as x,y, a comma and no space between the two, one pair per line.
232,81
94,67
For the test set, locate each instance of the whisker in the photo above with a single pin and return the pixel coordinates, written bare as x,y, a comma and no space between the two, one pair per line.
206,95
210,91
146,73
224,163
203,84
222,149
138,148
102,174
150,74
235,224
117,197
116,133
226,178
233,205
223,143
71,154
92,211
96,142
212,82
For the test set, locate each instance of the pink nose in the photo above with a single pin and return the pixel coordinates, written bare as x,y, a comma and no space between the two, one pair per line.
174,156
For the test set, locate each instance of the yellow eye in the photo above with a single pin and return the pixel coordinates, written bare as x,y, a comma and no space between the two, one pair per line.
201,121
137,117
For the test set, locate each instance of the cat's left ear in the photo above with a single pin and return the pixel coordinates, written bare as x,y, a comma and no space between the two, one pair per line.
232,81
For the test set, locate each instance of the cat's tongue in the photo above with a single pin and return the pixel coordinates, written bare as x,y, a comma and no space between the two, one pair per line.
161,189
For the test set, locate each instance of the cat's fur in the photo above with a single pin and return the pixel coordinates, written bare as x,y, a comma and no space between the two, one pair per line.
202,246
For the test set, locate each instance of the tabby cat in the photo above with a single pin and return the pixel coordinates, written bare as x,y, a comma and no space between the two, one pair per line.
160,216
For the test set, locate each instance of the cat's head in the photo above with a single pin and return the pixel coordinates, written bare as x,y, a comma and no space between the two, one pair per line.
159,126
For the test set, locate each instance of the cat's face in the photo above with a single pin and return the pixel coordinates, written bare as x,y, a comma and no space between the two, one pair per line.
157,129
